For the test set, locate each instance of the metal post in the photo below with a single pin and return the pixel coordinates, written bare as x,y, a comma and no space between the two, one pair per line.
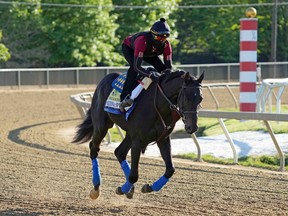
232,145
47,78
229,73
248,61
77,77
274,36
19,79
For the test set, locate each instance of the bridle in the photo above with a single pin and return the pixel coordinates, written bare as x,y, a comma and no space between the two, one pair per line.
180,99
177,111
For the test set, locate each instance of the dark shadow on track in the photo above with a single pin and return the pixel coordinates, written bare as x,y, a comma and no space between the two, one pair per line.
14,136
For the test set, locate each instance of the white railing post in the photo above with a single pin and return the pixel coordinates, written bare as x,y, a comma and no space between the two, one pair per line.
47,78
19,79
77,77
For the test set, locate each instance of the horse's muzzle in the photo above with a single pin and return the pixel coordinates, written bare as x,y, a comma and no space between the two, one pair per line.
191,129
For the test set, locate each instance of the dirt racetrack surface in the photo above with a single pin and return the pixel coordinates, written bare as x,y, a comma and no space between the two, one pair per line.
41,173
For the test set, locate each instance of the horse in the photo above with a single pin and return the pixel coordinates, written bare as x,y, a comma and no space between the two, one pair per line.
177,95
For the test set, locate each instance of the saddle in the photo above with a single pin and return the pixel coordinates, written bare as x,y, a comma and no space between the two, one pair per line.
113,100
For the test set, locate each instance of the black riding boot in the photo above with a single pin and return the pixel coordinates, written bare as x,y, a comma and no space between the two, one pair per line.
129,84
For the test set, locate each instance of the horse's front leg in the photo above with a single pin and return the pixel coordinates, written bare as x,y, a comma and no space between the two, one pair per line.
133,175
165,150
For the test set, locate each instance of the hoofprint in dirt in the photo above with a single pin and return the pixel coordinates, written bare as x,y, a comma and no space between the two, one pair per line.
43,174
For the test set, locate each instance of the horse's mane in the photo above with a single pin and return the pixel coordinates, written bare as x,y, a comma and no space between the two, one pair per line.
174,75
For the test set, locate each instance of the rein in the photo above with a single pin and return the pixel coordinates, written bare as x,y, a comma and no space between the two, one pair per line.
176,114
181,109
177,111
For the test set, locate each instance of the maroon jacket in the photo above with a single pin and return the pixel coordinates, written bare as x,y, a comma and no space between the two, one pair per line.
143,46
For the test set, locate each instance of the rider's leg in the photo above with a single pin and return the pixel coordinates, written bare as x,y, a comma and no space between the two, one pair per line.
130,82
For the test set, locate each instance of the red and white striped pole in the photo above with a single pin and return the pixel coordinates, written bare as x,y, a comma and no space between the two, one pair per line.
248,61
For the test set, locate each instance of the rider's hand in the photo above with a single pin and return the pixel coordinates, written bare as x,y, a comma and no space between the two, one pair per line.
151,69
166,71
154,76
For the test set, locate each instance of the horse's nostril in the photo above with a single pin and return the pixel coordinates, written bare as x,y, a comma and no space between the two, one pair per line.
191,129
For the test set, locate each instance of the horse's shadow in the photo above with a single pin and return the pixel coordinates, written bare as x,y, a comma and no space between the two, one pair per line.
14,136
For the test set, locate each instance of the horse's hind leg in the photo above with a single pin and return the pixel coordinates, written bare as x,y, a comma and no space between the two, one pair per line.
132,178
121,153
101,126
165,150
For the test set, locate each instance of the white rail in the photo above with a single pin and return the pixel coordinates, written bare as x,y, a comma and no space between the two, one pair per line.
83,103
265,117
45,77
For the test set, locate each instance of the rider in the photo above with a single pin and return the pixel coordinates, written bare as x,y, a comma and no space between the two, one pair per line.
145,46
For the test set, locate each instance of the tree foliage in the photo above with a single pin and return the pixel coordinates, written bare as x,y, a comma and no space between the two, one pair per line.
4,52
214,32
83,36
22,34
51,36
61,36
135,20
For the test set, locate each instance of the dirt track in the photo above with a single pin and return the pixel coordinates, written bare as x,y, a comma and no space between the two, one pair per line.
43,174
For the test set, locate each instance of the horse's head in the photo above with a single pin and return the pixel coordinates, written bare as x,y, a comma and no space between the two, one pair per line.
189,99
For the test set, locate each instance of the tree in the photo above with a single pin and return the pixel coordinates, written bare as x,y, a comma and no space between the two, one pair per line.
4,52
21,25
60,35
282,44
81,36
211,35
73,33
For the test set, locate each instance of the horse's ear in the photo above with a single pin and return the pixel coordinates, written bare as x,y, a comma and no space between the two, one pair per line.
201,77
187,77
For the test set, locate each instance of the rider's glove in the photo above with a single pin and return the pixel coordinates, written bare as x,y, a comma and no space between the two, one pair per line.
166,71
154,76
151,69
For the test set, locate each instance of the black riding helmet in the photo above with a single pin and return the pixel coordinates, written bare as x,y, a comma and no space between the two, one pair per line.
160,29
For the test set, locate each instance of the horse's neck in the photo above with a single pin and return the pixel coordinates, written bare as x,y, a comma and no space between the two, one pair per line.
172,89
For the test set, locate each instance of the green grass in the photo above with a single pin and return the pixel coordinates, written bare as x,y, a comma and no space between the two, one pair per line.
263,162
115,136
210,126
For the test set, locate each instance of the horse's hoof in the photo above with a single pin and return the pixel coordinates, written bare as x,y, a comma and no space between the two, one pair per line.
130,194
119,191
94,194
146,189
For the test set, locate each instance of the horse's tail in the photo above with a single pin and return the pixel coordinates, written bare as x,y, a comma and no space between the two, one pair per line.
85,130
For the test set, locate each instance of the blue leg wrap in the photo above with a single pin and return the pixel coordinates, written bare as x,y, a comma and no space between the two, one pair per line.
96,176
126,187
126,168
157,185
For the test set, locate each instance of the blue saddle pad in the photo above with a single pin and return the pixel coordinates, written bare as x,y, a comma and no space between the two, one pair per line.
118,83
113,100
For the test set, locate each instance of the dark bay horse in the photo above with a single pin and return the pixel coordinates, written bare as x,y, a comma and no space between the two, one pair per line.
177,95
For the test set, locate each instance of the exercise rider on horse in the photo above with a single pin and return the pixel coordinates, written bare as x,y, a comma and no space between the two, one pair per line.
145,46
